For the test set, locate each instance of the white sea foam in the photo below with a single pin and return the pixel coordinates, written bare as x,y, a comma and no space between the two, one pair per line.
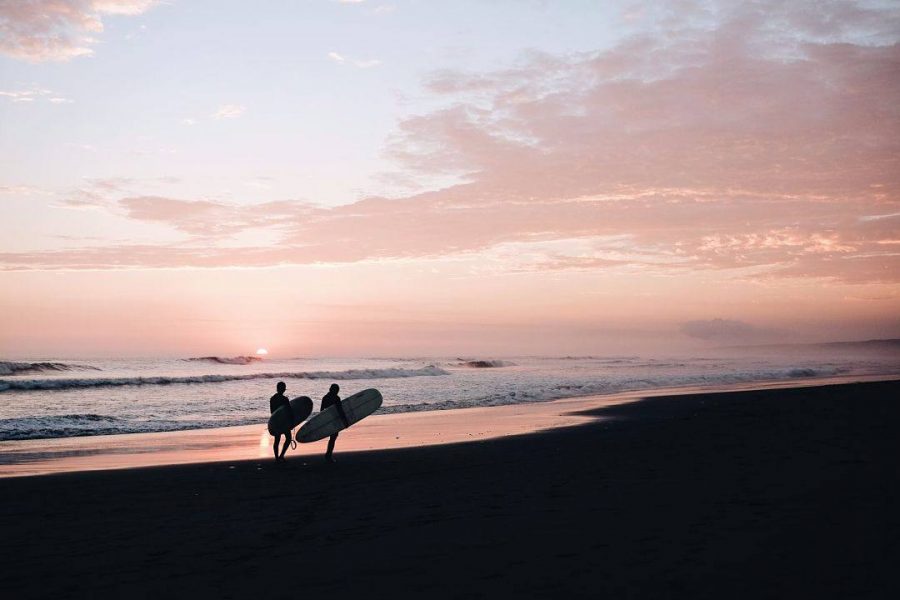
86,382
79,425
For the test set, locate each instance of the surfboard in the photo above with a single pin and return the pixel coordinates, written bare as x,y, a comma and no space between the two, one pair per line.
356,408
281,422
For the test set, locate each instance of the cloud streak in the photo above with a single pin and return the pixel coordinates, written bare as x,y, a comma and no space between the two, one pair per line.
228,111
33,94
361,64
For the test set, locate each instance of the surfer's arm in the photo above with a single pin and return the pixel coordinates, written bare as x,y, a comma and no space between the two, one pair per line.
343,415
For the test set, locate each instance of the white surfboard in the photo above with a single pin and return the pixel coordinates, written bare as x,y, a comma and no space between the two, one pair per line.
356,408
282,423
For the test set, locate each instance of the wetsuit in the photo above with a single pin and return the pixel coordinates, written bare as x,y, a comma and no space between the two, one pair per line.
331,399
277,401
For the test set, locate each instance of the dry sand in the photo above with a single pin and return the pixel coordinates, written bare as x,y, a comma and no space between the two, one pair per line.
770,493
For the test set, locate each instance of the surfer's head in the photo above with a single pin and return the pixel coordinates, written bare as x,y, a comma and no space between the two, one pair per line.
335,388
281,387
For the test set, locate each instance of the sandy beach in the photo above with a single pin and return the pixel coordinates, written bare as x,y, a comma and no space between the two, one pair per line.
378,432
773,493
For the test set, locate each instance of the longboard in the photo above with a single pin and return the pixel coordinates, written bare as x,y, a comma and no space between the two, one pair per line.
281,422
356,408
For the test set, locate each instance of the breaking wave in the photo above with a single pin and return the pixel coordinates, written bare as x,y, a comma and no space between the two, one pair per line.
483,364
66,384
802,373
22,368
234,360
25,428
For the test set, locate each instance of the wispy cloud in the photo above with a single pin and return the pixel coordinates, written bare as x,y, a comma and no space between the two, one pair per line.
880,217
362,64
22,190
32,94
228,111
58,30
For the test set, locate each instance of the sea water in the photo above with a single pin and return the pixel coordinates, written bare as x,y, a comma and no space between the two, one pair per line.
61,397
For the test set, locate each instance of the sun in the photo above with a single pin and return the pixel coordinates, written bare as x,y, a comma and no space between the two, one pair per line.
262,352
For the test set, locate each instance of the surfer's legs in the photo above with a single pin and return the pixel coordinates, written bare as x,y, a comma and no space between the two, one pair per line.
275,447
330,451
287,442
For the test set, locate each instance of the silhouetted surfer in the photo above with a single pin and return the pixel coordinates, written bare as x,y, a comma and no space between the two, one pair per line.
329,399
276,402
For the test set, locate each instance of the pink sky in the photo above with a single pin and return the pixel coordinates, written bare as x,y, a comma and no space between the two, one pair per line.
721,174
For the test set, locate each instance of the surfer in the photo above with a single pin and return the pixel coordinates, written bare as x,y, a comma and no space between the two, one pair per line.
332,399
276,402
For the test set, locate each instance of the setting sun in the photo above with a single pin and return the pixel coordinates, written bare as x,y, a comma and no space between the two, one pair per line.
262,352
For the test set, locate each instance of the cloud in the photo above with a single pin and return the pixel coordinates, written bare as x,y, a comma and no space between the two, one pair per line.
524,236
58,30
207,218
110,184
362,64
726,331
33,94
879,217
25,95
229,111
123,7
21,190
758,140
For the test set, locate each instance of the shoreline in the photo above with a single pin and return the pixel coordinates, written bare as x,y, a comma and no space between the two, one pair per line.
781,492
22,458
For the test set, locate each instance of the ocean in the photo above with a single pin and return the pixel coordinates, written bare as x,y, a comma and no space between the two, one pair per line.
53,398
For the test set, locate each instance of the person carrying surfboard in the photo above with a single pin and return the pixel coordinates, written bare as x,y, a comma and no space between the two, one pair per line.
275,402
332,399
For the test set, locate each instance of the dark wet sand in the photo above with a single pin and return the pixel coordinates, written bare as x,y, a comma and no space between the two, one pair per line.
777,493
